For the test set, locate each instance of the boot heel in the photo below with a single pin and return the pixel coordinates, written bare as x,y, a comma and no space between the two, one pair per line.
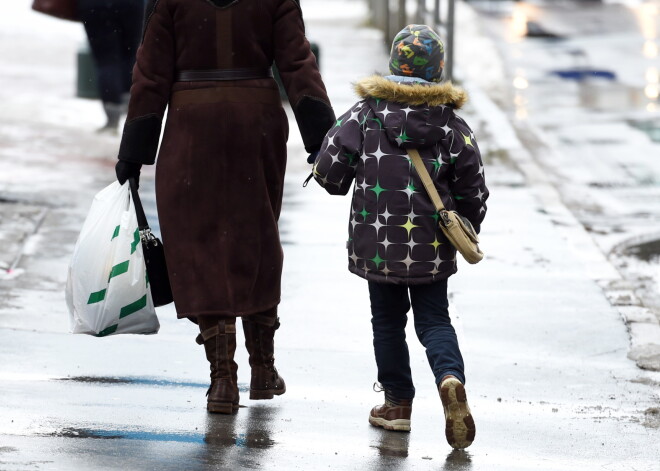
221,407
256,394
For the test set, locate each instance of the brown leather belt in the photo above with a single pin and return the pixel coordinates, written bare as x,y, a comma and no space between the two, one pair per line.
200,96
223,74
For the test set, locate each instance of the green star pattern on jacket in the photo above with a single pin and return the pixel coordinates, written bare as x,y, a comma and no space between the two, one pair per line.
377,260
364,213
378,189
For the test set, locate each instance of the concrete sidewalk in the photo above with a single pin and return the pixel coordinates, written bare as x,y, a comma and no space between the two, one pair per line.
548,378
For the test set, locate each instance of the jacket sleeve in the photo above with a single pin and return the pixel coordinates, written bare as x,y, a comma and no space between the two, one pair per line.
300,75
153,76
468,183
340,153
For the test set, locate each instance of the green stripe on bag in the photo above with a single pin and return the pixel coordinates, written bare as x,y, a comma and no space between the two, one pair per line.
115,234
96,297
118,269
110,330
136,241
133,307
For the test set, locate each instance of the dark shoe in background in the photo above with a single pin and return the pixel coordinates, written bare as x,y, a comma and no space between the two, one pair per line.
113,114
459,423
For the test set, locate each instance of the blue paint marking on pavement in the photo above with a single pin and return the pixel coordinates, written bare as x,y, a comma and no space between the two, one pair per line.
176,384
241,441
164,383
147,436
162,437
583,74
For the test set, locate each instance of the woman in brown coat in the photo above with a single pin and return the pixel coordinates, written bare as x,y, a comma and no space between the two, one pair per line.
221,164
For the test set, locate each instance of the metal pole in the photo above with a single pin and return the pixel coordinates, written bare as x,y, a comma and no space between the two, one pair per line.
403,17
388,22
451,16
421,12
436,17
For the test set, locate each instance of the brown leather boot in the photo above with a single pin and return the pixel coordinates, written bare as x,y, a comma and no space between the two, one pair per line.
393,415
218,335
259,332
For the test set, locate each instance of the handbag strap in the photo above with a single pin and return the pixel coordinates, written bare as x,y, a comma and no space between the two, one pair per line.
426,179
139,210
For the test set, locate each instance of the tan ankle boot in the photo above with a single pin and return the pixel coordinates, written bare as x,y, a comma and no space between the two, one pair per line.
459,423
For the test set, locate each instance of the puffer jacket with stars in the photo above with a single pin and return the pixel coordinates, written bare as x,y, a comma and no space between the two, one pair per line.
393,232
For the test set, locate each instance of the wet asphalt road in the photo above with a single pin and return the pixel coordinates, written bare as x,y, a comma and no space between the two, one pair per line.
548,379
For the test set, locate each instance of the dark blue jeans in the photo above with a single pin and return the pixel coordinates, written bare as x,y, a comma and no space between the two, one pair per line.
389,308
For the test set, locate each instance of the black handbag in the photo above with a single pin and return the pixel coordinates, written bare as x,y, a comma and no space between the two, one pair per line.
154,254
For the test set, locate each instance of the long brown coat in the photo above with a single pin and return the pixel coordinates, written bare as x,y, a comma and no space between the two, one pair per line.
220,169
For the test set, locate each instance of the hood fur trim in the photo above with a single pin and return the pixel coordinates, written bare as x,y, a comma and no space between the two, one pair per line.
412,94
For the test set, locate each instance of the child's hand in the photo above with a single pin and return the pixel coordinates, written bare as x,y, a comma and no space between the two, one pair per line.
312,157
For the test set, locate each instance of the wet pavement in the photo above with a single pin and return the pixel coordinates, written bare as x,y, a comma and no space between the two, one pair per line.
593,135
549,381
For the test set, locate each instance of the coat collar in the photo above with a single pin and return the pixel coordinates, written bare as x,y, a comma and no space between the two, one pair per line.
411,94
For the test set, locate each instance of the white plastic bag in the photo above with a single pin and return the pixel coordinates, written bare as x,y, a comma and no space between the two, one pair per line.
107,287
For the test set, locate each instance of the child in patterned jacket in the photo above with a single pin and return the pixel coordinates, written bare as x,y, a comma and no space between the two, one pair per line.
394,239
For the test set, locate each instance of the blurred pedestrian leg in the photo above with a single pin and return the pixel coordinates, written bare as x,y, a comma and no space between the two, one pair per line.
113,28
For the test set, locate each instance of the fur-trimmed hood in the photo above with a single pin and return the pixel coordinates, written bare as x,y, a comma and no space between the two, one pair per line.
414,114
411,93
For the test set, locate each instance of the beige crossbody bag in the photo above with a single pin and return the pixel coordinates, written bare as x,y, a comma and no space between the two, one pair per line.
455,227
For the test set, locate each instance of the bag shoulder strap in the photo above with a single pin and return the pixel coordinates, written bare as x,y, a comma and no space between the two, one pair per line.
426,179
139,210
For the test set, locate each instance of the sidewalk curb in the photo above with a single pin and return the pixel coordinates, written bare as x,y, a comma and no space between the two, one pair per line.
642,325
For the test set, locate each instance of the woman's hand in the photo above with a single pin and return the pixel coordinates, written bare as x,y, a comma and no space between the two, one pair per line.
126,170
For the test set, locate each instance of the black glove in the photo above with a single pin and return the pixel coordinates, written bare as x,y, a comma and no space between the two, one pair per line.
126,170
312,157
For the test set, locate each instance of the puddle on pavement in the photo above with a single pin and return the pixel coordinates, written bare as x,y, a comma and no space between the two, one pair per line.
647,251
96,380
458,460
223,431
83,433
250,429
392,444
